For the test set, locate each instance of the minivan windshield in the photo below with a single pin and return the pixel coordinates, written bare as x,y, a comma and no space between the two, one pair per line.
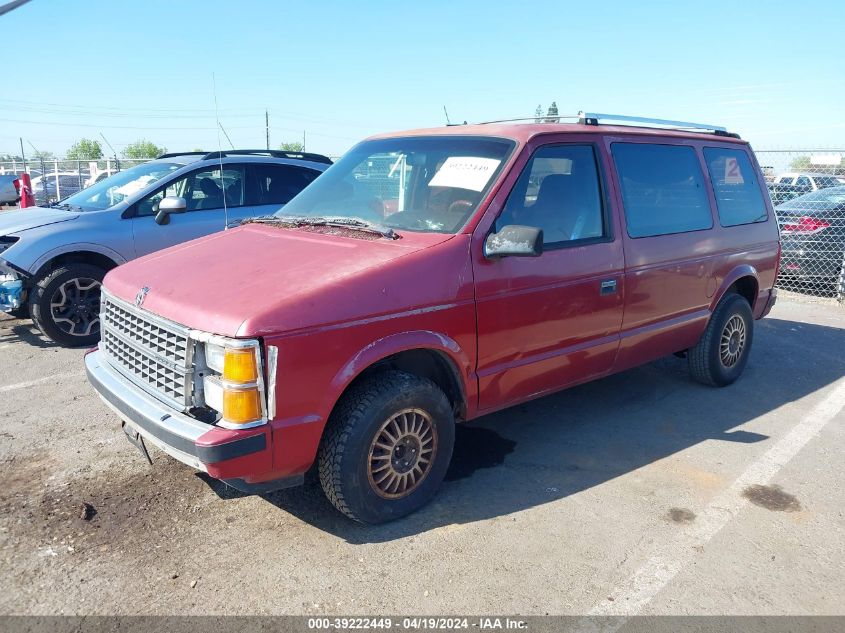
420,183
114,189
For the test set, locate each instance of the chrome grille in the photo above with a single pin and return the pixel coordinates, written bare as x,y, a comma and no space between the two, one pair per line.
152,352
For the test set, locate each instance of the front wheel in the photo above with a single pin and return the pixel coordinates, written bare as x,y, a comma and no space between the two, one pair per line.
719,357
387,447
65,304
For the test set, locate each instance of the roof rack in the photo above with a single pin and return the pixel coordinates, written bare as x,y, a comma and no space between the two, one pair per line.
172,154
594,118
275,153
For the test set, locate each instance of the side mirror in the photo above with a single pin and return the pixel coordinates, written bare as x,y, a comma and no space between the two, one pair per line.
171,204
514,241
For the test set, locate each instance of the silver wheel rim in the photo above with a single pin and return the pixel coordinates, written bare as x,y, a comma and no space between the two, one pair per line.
75,306
732,342
402,453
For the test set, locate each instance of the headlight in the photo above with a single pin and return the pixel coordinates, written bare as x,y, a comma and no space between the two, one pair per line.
236,388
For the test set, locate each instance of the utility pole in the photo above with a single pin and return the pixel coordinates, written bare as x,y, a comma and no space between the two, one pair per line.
303,140
267,127
23,156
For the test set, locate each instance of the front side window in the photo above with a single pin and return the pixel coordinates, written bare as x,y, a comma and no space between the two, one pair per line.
558,192
203,189
418,183
802,181
735,185
662,189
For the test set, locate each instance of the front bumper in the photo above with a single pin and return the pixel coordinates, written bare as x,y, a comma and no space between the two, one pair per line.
238,457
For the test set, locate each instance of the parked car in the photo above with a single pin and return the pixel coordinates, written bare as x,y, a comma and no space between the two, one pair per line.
486,265
97,176
10,189
47,190
812,230
57,256
791,185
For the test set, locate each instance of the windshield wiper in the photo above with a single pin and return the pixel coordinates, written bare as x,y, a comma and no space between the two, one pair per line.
64,205
340,222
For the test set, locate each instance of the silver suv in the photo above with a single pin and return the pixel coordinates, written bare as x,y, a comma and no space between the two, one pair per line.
52,259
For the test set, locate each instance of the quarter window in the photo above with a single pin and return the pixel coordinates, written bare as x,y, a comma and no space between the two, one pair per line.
735,186
558,191
662,189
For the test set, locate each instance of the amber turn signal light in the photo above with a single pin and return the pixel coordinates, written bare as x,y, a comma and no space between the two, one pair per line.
239,365
241,406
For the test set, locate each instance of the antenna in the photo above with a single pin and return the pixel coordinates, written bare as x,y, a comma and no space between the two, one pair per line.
106,141
448,122
113,151
220,150
226,135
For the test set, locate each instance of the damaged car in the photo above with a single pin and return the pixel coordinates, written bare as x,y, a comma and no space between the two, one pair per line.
53,259
428,278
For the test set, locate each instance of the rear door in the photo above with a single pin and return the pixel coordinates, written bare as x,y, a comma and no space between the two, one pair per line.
669,246
204,191
548,322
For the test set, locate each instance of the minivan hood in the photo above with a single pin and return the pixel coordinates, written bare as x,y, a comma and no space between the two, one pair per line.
12,222
257,280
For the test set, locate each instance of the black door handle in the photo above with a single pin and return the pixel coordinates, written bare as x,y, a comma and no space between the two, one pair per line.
608,287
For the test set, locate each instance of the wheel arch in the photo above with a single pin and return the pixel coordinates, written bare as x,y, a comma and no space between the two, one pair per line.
744,281
422,353
84,254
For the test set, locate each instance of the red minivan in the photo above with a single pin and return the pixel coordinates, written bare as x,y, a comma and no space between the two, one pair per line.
428,278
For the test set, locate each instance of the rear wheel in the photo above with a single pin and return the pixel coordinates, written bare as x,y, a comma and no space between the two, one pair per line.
719,357
65,304
387,447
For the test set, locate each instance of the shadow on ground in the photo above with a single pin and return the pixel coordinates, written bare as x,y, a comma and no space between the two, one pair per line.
559,445
14,330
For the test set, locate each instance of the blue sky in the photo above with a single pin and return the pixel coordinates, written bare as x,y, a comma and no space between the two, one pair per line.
339,71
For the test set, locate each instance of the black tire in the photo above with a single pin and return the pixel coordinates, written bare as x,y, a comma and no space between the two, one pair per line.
87,331
347,457
709,362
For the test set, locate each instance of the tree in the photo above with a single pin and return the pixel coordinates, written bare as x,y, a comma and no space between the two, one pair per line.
538,114
800,163
292,146
85,149
39,155
143,149
551,115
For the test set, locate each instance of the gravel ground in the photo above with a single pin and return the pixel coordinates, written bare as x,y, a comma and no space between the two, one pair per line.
639,493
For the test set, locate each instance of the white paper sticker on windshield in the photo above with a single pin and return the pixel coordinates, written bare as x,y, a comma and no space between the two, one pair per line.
465,172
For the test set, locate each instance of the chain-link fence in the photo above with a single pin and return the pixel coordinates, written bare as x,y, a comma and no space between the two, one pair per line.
57,178
807,189
808,192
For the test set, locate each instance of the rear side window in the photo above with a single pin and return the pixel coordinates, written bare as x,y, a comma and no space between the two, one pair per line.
278,184
735,185
662,189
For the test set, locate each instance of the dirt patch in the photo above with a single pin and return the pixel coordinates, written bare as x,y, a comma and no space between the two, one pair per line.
681,516
772,498
128,516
